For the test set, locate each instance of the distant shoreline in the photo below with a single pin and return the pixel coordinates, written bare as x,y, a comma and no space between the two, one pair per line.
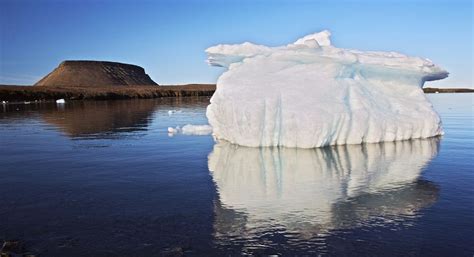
13,93
434,90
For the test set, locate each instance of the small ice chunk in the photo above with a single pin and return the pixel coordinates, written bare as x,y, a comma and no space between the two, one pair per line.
60,101
174,130
171,112
199,130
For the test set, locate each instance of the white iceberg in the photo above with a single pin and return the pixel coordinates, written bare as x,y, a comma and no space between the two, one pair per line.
311,94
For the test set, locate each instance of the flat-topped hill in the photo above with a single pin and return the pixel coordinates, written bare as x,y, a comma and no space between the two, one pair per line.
96,73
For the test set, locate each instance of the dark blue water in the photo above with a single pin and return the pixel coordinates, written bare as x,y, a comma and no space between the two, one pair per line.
105,179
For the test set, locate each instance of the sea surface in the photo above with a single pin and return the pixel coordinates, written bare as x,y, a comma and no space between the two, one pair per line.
104,178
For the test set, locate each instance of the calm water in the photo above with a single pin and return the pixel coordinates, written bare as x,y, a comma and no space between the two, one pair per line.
105,179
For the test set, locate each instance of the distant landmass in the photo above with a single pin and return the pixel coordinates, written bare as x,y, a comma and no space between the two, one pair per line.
447,90
96,73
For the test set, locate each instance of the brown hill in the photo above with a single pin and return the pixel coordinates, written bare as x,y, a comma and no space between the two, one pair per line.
96,73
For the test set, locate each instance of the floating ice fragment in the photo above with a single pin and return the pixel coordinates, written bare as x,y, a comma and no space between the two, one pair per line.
174,130
200,130
171,112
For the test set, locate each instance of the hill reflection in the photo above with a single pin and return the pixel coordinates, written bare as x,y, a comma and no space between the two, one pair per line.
99,119
303,193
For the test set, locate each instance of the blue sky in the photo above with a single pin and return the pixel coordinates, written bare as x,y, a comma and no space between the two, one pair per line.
168,38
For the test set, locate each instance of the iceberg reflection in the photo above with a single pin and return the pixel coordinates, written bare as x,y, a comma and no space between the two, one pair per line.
304,193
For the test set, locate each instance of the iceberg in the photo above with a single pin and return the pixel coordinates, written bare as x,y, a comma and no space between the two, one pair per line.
311,94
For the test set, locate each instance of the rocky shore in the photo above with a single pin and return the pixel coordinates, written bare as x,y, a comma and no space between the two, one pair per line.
37,93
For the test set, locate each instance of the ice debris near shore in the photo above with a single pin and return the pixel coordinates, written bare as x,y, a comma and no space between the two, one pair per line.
311,94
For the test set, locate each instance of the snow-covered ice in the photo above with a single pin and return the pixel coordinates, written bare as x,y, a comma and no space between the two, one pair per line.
311,94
